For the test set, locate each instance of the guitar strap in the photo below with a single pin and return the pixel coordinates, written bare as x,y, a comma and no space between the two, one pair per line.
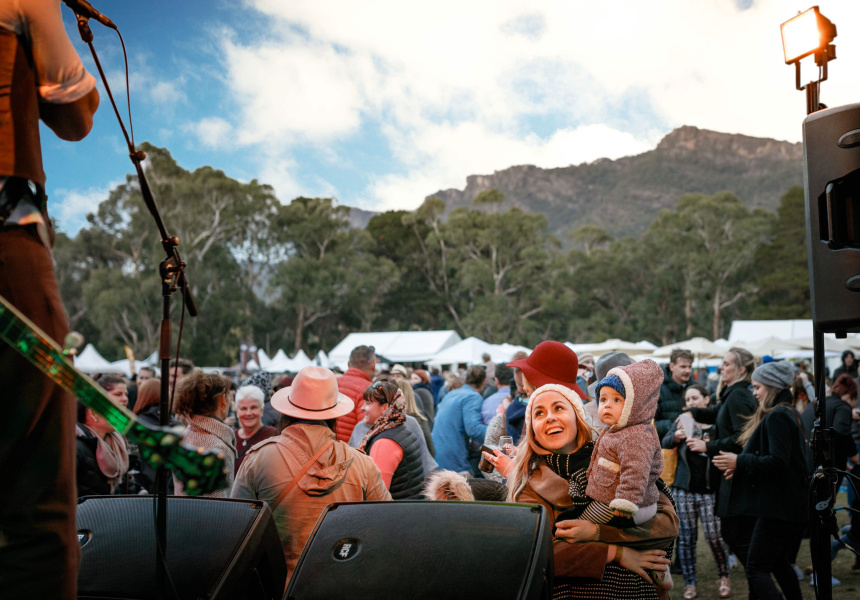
301,474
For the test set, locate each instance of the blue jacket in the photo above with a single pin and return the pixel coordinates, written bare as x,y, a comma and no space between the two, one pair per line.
491,404
458,418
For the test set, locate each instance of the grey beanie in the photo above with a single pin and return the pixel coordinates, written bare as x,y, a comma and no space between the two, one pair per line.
610,361
604,364
779,375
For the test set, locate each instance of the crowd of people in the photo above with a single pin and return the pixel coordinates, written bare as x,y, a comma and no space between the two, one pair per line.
627,457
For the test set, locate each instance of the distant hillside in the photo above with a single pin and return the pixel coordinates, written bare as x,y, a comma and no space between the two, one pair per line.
624,196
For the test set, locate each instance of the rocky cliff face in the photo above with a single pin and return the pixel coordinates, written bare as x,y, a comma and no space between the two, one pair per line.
624,196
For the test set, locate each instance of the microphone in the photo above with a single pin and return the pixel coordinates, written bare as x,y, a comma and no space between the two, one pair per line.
85,9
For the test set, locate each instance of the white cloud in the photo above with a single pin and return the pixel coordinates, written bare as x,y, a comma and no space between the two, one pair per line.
448,154
212,131
454,86
71,207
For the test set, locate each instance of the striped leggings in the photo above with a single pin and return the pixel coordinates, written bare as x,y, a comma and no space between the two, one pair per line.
690,508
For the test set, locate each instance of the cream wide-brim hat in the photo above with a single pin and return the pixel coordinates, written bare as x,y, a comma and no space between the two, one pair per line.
313,396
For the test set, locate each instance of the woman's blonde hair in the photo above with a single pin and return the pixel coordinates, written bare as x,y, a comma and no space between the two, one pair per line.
743,360
529,452
755,419
409,397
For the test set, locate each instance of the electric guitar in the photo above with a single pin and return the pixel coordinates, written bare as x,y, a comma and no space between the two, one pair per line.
201,471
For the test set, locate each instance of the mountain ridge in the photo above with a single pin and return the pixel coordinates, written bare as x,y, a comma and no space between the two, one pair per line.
687,160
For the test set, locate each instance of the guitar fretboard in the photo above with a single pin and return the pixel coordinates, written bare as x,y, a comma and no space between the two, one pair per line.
48,358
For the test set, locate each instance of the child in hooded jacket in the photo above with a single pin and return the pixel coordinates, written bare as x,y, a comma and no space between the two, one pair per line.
626,461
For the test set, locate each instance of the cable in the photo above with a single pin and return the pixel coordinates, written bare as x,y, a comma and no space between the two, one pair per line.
161,556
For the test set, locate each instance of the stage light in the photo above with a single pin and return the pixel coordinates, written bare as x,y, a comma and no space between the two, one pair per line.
810,32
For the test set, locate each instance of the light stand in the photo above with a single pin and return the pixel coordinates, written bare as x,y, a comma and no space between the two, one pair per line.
810,33
172,273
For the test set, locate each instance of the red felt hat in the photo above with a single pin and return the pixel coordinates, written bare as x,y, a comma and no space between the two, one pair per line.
551,362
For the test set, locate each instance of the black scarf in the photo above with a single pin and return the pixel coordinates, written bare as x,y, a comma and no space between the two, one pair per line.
572,468
567,465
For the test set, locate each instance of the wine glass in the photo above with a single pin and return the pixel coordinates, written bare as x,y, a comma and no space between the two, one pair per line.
506,445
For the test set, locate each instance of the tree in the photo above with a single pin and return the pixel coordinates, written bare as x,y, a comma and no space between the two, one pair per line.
591,237
224,230
785,287
716,237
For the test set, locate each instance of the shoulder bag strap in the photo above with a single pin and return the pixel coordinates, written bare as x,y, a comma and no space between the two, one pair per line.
301,474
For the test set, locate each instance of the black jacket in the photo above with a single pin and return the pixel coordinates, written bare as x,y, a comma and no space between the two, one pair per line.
736,402
852,370
771,478
91,481
408,479
670,403
712,475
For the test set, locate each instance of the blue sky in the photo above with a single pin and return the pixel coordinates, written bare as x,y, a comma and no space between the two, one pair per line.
381,103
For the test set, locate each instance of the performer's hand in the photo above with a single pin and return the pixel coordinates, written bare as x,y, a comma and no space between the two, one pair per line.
576,530
697,445
726,460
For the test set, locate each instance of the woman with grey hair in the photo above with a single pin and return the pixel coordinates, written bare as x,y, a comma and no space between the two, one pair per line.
249,410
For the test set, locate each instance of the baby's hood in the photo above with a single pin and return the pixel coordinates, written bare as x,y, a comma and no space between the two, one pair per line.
641,382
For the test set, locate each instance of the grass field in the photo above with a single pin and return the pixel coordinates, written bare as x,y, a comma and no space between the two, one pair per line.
707,574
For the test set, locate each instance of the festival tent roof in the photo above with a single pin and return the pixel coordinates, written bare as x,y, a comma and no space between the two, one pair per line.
469,352
769,346
699,346
263,359
510,349
90,361
750,331
321,359
616,345
280,363
395,346
122,366
252,365
300,361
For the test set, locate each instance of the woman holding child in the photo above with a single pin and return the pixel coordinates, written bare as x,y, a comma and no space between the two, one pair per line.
552,459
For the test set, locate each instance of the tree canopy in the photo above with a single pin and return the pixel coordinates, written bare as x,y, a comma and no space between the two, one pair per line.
296,274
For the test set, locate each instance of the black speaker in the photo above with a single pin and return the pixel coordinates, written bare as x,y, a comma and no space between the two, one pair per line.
414,549
831,151
215,548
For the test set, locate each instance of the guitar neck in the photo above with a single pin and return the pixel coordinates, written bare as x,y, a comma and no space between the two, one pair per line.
23,335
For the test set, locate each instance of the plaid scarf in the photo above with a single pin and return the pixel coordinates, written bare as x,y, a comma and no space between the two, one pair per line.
572,468
392,417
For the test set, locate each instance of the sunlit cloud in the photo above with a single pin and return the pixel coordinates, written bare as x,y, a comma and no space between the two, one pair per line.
457,89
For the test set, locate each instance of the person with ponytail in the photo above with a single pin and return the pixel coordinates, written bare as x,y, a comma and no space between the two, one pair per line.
768,484
735,405
202,406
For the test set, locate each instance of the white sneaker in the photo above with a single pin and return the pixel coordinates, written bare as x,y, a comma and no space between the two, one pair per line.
833,581
798,572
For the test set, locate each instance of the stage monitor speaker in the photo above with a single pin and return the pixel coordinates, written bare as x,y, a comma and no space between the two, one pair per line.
831,151
216,549
415,549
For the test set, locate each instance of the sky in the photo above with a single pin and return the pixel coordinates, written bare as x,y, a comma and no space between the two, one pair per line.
381,103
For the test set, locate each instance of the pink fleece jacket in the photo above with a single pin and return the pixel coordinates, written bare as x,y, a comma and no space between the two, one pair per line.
626,461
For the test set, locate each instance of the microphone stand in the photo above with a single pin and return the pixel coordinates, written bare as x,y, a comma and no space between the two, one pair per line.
172,272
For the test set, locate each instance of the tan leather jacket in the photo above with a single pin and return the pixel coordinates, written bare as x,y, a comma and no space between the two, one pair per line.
342,474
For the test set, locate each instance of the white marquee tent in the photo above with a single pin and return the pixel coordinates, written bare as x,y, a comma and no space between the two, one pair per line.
469,352
90,361
395,346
